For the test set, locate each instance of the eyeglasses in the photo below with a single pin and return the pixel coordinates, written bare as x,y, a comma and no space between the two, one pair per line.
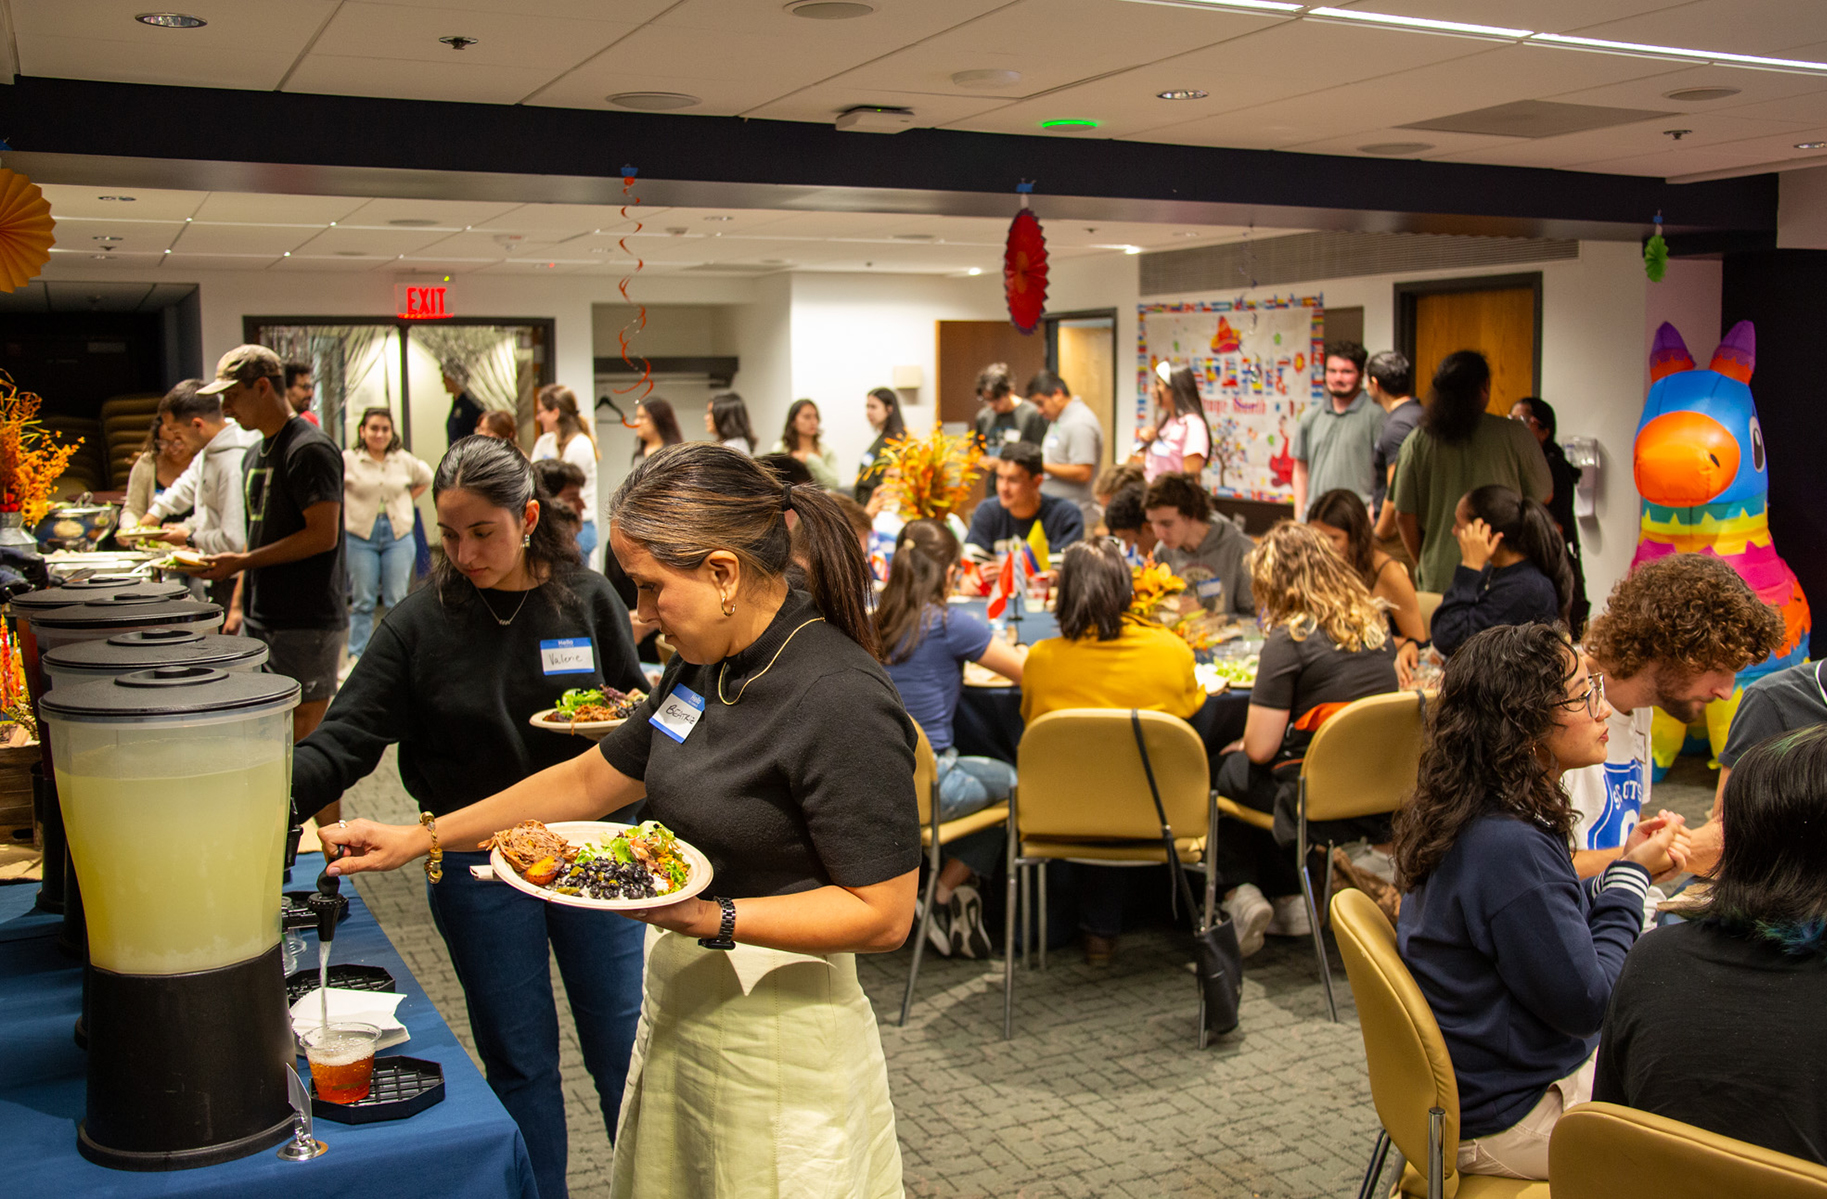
1593,698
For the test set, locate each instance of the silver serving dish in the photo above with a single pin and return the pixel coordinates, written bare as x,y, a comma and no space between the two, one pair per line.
78,524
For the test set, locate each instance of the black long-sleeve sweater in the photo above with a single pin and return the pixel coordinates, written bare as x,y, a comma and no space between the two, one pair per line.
1497,595
454,689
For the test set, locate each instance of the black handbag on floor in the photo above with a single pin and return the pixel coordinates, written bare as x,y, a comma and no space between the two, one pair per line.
1216,957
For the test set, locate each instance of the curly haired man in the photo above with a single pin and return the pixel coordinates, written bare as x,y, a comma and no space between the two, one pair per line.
1674,636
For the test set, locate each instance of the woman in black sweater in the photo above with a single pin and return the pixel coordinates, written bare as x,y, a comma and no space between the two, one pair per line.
1512,568
777,745
511,620
1717,1022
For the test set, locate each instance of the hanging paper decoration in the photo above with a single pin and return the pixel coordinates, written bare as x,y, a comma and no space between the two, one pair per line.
25,230
629,199
1655,254
1024,268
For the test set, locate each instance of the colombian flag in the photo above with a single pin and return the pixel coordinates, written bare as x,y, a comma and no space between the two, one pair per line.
1037,548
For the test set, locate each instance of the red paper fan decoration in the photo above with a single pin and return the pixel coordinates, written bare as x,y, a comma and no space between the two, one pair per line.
1024,271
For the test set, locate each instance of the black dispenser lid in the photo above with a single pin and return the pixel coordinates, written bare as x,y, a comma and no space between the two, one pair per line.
98,589
142,649
171,691
132,611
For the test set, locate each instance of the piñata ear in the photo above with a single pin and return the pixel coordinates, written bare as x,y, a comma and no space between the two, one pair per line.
1668,354
1736,356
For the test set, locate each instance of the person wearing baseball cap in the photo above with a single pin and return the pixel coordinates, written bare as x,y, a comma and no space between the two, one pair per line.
292,591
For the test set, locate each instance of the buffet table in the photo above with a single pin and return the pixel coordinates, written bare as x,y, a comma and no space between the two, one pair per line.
465,1146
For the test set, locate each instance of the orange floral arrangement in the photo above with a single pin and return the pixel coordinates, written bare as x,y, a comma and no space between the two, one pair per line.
932,475
1152,586
31,459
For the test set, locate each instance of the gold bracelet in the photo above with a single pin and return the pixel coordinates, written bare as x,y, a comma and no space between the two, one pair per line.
434,862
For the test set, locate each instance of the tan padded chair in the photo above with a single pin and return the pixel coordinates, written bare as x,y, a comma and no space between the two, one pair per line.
1603,1151
933,835
1411,1074
1362,762
1084,797
1428,600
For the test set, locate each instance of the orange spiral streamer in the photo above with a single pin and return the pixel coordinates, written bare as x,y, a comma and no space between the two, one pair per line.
640,322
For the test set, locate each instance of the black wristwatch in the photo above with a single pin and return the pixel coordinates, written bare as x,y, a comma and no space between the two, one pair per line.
726,932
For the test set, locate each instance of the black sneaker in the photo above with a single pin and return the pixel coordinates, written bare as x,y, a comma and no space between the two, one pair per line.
939,930
969,940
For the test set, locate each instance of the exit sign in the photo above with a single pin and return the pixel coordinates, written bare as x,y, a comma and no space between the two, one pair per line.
415,303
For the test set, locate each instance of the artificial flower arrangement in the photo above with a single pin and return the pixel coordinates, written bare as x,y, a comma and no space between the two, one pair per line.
31,459
1152,587
932,475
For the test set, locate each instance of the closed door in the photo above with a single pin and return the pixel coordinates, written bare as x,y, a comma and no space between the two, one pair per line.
1085,348
1499,323
966,347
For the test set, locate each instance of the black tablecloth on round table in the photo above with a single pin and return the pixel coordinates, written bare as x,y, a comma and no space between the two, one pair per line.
988,722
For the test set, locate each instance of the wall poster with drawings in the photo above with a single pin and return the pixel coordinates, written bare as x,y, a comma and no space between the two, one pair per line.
1259,364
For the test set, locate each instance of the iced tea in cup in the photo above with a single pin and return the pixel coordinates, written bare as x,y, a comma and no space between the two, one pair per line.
342,1060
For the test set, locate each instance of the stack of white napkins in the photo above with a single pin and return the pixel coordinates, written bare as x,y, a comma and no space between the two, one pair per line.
362,1007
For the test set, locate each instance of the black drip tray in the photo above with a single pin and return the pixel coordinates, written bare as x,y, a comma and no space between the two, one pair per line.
403,1086
300,983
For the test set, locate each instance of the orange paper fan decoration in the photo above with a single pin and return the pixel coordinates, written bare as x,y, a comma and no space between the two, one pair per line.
25,230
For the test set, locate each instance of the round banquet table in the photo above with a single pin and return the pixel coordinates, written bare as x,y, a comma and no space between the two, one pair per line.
988,720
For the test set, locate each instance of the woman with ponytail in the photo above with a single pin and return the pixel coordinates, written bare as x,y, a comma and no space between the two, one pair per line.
926,644
776,744
450,677
566,437
1512,568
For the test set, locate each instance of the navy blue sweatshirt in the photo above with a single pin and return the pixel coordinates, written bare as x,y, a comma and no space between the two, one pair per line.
1517,958
1497,595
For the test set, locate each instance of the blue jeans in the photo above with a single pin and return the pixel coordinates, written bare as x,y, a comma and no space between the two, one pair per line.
967,785
379,564
497,939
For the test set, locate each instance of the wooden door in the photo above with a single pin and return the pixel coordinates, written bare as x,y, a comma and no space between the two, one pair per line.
966,347
1086,352
1498,323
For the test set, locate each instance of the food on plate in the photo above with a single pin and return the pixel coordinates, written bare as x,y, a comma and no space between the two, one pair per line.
1238,672
584,705
184,559
642,862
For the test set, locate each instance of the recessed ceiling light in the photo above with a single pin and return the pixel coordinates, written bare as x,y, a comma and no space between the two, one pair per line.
101,258
287,254
1132,249
458,41
123,200
171,20
1811,145
652,101
1069,123
1185,93
1394,149
830,10
976,270
413,222
978,80
1696,94
105,237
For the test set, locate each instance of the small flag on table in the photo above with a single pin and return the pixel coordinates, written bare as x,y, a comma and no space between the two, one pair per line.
1038,547
1003,587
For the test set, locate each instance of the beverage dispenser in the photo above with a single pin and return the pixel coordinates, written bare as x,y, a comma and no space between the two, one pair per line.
176,785
144,649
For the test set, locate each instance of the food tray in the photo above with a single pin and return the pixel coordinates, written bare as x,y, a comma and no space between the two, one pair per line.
403,1086
582,832
300,983
596,730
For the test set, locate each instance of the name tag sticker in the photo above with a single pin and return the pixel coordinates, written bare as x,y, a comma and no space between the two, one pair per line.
1210,588
568,655
1011,436
679,714
868,460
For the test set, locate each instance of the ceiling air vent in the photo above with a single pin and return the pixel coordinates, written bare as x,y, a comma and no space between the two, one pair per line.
1535,118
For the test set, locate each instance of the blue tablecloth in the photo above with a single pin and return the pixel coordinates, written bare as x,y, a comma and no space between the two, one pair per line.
464,1146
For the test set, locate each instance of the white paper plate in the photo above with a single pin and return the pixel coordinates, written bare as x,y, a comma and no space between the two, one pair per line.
583,832
549,720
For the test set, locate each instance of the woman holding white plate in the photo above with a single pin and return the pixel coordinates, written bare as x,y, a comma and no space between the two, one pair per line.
511,621
775,744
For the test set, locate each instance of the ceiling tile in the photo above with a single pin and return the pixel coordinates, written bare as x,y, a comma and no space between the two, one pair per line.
148,203
87,259
892,24
262,209
201,238
1736,26
466,81
822,103
246,44
449,214
384,241
1543,16
1595,150
1651,91
215,262
632,11
252,69
505,37
126,237
564,219
330,264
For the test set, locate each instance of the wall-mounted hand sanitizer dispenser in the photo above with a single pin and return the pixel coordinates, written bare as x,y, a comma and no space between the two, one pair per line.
1583,453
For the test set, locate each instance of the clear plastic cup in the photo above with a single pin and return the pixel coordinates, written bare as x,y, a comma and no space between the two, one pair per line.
342,1060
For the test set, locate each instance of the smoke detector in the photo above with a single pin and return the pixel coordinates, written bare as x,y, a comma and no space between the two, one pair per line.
872,119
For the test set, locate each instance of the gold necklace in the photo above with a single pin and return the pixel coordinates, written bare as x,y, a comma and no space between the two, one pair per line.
724,673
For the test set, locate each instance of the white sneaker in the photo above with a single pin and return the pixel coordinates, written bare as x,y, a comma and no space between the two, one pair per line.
939,931
1371,860
1252,915
1290,918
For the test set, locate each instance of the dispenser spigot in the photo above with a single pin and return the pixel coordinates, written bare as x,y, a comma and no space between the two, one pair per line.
328,904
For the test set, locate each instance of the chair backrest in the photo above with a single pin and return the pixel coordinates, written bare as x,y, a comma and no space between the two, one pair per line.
1365,759
1603,1150
1410,1070
1428,601
1081,776
926,774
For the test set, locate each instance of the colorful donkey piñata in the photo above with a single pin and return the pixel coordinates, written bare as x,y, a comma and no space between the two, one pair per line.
1701,470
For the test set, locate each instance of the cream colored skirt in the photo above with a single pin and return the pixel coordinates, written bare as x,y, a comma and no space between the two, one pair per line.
756,1074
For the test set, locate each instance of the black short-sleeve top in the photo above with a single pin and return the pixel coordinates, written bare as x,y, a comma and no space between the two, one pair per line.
803,781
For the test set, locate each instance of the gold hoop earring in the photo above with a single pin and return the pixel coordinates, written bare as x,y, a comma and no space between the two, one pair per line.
729,606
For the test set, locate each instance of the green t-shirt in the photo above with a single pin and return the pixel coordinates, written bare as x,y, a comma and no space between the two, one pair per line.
1432,476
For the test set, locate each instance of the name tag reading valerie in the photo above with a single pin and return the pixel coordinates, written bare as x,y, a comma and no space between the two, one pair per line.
679,714
568,655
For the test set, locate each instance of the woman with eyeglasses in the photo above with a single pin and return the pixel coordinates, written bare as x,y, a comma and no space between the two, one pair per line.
1515,954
